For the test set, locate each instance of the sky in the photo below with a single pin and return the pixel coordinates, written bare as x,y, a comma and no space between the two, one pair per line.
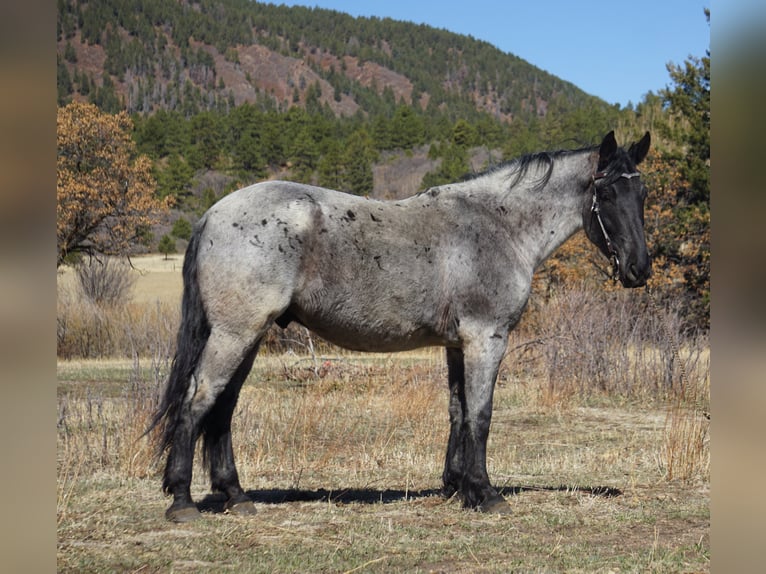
617,50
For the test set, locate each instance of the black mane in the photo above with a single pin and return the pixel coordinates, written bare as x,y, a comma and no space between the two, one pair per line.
519,167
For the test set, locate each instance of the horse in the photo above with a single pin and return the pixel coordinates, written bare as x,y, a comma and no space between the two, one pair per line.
451,266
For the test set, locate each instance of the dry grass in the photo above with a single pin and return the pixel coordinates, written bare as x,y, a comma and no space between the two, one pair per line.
324,434
145,321
158,279
154,278
601,450
344,466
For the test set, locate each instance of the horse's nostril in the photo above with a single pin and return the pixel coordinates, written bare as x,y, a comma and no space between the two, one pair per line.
636,275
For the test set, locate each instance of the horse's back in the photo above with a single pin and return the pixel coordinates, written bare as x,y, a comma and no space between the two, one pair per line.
261,197
365,274
361,273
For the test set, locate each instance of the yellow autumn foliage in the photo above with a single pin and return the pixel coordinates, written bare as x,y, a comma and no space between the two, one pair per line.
104,189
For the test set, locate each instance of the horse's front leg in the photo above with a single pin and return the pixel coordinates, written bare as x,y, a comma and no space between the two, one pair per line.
452,478
481,356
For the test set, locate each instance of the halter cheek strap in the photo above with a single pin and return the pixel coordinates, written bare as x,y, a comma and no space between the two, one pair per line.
594,207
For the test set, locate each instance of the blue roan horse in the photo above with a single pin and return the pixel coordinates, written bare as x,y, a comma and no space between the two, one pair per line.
451,266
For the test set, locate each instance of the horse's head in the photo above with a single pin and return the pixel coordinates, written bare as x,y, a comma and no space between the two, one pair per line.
613,217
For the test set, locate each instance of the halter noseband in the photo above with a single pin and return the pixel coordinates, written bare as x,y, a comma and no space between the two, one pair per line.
596,210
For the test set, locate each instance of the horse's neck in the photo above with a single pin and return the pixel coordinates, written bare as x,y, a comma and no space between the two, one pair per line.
549,225
540,220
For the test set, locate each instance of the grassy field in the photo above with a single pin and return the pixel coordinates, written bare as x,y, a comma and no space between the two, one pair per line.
156,279
342,454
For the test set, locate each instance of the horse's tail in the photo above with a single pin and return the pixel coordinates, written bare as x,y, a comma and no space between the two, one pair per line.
192,337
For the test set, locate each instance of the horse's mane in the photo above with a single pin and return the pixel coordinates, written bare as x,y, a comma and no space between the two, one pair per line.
518,168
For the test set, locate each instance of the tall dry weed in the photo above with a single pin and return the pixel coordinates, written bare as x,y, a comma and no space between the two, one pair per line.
685,452
71,458
136,451
588,345
87,330
355,418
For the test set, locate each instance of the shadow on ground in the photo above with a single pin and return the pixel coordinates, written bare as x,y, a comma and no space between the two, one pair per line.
215,502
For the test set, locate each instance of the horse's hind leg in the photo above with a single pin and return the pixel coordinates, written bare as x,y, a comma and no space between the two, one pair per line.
178,469
225,355
216,432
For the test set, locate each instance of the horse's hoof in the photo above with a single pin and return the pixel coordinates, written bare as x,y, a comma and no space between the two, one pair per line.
495,505
182,513
242,508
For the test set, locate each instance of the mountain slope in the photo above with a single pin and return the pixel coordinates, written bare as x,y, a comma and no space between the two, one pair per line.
145,55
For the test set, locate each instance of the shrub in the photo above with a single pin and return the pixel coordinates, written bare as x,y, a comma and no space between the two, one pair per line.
85,330
105,282
587,342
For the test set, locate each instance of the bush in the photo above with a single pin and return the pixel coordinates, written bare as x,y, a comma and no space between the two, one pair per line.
105,282
588,342
85,330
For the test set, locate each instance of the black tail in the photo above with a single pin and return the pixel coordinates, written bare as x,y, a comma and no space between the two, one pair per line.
192,337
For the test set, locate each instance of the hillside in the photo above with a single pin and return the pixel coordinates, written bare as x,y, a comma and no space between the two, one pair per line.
223,93
250,90
146,55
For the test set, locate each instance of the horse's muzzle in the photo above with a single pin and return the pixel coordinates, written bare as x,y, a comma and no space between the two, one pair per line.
636,273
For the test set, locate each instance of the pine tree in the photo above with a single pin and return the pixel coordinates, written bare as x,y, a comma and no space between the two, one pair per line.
689,101
167,246
182,229
358,159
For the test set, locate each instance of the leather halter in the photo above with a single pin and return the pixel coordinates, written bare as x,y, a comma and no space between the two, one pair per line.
596,210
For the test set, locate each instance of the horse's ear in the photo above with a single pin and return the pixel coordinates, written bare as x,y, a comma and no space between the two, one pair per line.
639,149
606,151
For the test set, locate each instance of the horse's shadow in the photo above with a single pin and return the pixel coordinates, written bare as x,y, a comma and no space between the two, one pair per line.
215,502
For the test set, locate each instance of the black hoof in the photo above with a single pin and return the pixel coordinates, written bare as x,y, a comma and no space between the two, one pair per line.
495,504
449,491
186,513
240,507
